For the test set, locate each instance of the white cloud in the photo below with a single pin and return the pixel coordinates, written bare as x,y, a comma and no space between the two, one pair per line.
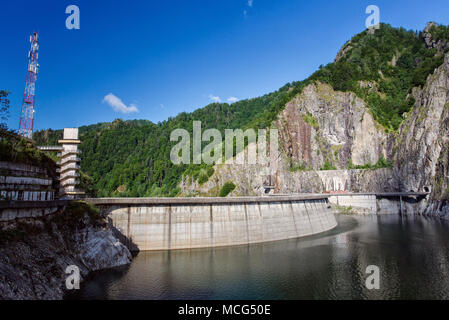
250,5
214,98
233,99
117,104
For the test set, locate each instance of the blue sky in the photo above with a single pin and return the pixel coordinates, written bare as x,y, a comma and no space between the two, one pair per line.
159,58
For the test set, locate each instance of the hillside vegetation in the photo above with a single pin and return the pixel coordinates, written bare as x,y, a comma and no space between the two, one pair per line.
132,158
14,148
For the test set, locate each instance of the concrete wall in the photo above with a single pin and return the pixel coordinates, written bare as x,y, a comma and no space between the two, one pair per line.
379,204
14,210
367,203
22,182
196,225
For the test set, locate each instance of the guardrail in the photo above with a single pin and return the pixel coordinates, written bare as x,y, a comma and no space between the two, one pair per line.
155,201
382,194
50,148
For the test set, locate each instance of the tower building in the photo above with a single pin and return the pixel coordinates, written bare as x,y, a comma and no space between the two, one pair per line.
69,164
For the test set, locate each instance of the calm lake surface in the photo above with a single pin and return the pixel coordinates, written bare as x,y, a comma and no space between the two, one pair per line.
411,252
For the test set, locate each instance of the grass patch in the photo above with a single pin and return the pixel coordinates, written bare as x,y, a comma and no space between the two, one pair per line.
298,166
205,174
345,210
336,149
227,189
382,163
328,166
75,213
311,120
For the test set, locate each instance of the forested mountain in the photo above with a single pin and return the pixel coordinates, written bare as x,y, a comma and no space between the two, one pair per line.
132,158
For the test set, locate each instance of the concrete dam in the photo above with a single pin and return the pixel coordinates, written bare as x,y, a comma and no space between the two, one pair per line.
184,223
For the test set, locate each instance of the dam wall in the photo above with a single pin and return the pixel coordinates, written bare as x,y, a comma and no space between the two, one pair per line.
165,224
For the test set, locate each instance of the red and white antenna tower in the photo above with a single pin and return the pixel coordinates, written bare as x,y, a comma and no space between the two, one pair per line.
27,115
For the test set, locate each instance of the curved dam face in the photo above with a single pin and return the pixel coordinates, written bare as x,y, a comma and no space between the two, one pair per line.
165,224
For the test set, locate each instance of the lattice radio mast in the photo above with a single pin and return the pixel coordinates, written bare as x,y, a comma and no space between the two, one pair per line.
27,115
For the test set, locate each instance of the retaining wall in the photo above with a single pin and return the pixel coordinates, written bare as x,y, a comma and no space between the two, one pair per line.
209,222
381,203
21,182
14,210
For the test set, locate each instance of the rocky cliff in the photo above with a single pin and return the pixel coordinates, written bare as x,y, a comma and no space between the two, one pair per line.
320,127
430,40
251,180
422,150
325,126
34,253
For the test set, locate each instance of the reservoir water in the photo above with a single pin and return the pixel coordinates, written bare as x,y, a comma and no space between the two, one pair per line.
411,252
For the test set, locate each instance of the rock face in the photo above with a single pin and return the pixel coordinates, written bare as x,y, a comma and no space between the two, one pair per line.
100,249
343,51
421,160
319,126
250,179
325,126
35,255
432,43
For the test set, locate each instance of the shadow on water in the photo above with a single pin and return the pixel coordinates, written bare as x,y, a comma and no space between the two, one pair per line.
411,252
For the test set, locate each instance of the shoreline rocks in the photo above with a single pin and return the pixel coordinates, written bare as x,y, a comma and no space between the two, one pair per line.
35,253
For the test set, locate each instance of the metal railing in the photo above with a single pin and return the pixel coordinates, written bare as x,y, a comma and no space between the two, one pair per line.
50,148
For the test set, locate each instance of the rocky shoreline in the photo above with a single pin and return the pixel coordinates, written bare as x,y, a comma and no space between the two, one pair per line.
35,253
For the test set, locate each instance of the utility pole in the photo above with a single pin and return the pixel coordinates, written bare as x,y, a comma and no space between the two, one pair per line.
27,114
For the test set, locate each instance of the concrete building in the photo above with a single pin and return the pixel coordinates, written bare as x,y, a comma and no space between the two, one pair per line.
69,165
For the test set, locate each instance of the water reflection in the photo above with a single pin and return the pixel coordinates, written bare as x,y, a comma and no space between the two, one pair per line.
412,253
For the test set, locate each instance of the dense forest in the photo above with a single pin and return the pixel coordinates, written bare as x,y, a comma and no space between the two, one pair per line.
132,158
